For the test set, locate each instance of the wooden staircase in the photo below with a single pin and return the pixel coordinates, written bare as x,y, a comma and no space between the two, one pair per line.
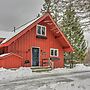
47,65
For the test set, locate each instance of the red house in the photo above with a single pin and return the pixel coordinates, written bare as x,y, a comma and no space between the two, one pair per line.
37,43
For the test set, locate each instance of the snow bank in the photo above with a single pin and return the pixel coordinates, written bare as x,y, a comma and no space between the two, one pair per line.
81,67
61,70
7,74
25,72
77,68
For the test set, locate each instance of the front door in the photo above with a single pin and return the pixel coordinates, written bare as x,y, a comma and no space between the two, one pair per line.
35,56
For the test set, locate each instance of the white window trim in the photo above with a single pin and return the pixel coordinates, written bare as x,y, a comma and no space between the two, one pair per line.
41,32
54,53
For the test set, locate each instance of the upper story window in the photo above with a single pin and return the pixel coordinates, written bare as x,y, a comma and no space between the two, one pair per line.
53,52
41,30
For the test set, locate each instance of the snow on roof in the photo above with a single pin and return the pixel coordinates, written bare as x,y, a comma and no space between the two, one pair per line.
2,55
5,34
9,35
6,54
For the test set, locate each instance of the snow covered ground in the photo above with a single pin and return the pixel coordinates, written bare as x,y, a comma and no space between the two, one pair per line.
77,78
76,85
8,74
77,68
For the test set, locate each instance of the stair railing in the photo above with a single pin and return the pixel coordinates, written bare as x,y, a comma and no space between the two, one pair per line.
51,63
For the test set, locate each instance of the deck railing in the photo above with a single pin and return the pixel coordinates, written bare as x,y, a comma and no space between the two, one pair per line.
47,62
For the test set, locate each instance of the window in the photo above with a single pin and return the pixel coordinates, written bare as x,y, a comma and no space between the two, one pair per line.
41,30
54,52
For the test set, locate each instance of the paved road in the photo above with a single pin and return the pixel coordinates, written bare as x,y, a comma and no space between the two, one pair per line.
33,83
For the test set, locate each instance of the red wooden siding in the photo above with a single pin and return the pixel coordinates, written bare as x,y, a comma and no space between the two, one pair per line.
10,61
24,44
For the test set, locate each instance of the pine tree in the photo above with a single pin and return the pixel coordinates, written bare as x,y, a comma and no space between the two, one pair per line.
52,7
57,7
83,11
70,25
72,29
82,8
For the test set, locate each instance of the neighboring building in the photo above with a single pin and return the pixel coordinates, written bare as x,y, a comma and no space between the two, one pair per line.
34,44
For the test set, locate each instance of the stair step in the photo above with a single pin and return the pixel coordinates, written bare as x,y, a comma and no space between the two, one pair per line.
40,69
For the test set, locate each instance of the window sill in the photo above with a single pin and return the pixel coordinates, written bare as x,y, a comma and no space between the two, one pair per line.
54,58
41,37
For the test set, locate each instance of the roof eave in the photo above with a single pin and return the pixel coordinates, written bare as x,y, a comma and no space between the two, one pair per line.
70,49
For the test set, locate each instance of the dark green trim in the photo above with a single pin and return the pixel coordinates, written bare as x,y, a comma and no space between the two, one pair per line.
54,58
41,37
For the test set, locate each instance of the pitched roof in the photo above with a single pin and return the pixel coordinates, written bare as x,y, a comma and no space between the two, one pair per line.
9,35
9,54
22,30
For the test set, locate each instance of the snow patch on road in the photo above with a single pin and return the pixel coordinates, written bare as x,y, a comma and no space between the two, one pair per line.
76,85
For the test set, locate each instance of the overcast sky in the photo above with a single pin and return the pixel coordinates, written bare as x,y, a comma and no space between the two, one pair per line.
14,13
17,12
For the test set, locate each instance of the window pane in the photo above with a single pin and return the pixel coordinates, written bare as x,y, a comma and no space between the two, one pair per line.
43,30
56,53
39,30
52,52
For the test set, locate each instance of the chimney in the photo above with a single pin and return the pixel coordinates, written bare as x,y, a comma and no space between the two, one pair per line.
14,29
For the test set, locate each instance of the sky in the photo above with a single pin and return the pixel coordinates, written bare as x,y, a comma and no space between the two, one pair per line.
14,13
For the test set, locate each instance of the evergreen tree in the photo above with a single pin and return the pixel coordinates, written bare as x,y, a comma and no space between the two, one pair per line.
52,7
83,11
57,7
70,25
72,29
